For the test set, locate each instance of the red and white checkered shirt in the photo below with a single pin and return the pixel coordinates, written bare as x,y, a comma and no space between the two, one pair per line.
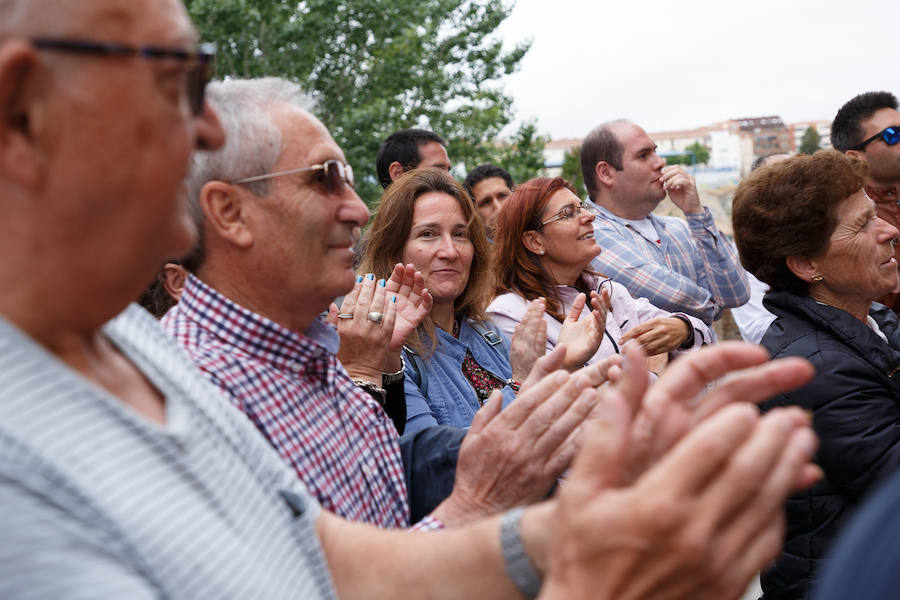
337,438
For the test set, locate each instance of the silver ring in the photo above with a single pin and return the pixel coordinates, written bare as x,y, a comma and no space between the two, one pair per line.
375,317
345,315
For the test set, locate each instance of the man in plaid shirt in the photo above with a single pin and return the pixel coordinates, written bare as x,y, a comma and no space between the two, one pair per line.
278,219
680,267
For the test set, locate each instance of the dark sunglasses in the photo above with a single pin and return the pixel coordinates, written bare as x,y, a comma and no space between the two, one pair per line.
334,173
890,135
198,64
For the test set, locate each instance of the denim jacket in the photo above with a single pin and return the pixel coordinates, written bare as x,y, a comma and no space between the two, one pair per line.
451,399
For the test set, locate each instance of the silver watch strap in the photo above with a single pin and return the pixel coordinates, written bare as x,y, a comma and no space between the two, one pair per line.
518,565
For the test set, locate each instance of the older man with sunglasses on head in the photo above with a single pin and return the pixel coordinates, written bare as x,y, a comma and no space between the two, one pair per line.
124,474
868,127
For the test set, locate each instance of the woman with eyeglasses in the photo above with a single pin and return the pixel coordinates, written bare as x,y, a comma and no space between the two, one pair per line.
455,358
543,247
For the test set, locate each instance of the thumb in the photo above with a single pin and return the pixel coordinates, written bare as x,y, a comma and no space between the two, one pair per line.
331,318
577,307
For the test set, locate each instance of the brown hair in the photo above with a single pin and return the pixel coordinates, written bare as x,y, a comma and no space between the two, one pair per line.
789,208
518,269
387,236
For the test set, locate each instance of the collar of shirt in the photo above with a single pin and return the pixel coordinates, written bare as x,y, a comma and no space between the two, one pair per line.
283,348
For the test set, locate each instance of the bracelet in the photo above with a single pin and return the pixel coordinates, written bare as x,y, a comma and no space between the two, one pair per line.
518,566
389,378
690,338
373,390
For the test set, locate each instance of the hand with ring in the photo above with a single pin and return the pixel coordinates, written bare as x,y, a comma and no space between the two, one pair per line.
365,323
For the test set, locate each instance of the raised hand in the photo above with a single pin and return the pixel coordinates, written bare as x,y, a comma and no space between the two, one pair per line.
529,340
583,336
682,189
670,408
514,456
365,323
706,515
413,302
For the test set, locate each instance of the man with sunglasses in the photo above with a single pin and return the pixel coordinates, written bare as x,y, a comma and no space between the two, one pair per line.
868,127
123,474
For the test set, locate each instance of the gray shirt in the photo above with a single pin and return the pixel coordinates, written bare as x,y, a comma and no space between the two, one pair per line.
96,501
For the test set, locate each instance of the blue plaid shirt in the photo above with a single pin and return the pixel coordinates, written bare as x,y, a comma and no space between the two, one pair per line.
691,267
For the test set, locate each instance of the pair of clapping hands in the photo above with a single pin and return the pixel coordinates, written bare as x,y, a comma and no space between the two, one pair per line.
673,492
582,336
376,318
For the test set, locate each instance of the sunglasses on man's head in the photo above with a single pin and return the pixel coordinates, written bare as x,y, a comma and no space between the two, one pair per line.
333,173
890,135
198,64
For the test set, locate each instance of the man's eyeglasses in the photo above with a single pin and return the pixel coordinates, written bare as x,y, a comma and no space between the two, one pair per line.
198,64
890,135
568,212
334,173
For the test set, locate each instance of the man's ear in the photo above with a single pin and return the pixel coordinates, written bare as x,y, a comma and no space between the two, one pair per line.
395,170
803,268
857,154
532,241
604,173
224,213
19,158
173,279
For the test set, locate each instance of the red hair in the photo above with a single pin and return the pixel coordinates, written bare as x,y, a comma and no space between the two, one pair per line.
518,269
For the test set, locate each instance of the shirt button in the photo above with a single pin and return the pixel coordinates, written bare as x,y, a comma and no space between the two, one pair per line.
367,471
296,366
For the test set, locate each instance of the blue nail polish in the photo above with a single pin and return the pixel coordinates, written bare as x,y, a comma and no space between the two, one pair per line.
358,278
381,283
393,298
370,276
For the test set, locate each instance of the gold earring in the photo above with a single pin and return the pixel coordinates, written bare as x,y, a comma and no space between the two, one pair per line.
817,278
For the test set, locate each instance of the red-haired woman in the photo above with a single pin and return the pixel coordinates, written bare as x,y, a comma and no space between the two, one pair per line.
543,246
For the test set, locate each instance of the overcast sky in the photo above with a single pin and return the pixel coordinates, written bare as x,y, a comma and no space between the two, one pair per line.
678,65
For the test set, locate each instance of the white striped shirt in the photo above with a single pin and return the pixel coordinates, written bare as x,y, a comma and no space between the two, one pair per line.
97,501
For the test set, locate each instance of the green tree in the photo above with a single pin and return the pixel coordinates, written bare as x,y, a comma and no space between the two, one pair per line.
809,143
571,170
695,154
523,156
376,66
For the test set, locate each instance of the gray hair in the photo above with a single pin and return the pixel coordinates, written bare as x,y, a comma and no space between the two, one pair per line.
252,140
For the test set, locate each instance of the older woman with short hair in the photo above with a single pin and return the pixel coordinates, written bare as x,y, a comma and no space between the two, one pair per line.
806,227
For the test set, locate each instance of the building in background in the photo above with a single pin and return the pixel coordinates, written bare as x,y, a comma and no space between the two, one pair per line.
732,144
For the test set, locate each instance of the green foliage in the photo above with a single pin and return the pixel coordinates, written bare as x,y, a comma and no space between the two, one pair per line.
523,155
571,170
809,143
377,66
700,156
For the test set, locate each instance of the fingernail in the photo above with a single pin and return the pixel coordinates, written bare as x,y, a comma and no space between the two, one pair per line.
358,278
393,298
381,283
370,276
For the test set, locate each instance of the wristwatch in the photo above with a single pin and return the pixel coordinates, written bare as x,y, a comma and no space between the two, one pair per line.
373,390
